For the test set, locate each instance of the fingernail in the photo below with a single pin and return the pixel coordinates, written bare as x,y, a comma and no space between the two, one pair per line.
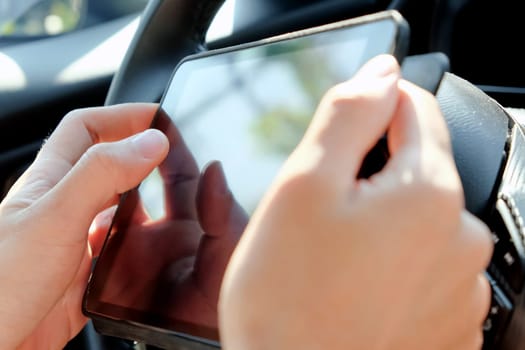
380,66
150,143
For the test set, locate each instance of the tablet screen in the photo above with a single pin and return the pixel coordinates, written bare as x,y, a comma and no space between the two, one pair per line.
232,118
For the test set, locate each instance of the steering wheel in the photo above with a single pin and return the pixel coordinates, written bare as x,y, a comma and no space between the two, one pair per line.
488,145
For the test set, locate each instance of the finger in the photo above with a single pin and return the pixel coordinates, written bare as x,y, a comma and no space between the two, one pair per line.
418,138
179,172
103,171
99,229
465,254
83,128
223,220
351,118
78,131
419,120
478,240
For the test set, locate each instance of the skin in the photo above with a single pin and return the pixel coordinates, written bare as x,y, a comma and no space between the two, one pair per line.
389,262
44,245
93,156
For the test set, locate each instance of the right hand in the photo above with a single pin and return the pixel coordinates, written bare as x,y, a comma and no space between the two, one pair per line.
329,261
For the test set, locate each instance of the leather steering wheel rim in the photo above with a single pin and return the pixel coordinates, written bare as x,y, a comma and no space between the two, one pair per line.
169,30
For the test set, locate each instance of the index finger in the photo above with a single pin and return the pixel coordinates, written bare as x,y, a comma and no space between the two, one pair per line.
418,137
81,129
350,120
77,132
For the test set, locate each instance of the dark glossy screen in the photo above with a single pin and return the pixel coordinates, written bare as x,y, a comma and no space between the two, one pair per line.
232,119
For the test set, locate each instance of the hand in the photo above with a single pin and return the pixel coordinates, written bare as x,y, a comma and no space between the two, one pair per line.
329,261
45,256
172,266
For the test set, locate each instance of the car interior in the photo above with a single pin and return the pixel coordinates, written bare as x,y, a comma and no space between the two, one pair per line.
466,52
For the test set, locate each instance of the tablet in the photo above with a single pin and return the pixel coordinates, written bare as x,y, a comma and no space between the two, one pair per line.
233,116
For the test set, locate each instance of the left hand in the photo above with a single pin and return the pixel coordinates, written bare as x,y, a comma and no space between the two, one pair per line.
45,256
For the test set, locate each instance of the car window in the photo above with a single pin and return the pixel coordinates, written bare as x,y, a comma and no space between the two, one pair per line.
26,19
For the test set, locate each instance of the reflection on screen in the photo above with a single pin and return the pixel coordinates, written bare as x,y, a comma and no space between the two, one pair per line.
232,119
250,109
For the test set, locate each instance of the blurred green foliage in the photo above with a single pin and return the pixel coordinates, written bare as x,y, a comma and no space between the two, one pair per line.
280,128
283,127
46,17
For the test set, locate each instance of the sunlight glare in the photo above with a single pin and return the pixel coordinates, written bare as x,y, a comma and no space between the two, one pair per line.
102,60
222,24
13,77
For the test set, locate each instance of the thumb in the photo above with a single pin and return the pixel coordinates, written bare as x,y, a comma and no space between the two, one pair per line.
351,118
103,171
